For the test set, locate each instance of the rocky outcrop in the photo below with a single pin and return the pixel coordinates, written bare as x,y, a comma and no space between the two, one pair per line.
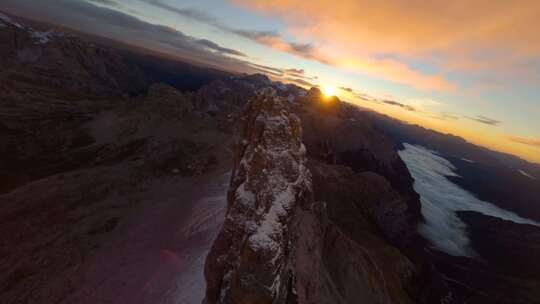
253,258
288,240
362,267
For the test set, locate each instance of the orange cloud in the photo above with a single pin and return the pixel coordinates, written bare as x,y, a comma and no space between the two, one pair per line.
398,72
458,34
384,68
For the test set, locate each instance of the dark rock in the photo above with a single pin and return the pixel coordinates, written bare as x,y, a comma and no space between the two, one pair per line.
335,135
253,257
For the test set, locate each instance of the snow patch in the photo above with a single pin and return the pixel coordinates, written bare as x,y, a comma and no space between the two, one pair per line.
290,98
526,174
5,19
42,37
244,196
276,189
272,225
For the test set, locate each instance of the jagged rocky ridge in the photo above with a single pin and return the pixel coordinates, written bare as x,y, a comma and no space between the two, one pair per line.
253,258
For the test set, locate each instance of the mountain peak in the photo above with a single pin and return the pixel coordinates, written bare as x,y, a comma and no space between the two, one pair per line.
252,258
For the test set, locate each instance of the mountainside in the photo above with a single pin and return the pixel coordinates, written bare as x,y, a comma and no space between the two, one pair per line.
130,178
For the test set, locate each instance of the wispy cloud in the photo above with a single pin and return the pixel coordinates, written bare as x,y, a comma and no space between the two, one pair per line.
301,82
111,3
186,12
269,38
276,72
216,47
398,104
300,74
445,116
295,71
484,120
386,101
276,41
534,142
413,105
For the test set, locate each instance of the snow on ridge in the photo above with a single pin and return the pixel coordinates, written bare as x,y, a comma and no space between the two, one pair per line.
269,182
39,36
5,18
42,37
526,174
276,188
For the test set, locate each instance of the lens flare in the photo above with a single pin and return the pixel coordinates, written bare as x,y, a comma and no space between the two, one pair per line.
329,91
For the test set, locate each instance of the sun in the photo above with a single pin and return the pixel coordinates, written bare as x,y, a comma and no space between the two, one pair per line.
329,91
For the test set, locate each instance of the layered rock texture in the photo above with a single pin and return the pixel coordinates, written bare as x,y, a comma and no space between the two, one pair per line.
253,258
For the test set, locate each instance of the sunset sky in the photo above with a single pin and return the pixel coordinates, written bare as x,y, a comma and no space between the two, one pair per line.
471,68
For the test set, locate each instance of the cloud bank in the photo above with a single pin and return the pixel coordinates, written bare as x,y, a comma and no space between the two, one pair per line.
441,199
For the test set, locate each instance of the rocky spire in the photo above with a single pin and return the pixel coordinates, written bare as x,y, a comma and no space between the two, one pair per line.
253,256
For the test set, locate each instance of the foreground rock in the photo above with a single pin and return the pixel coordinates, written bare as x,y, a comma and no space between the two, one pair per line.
253,258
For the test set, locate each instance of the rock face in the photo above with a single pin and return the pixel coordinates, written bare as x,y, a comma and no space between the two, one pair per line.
336,134
359,265
253,258
288,240
513,248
